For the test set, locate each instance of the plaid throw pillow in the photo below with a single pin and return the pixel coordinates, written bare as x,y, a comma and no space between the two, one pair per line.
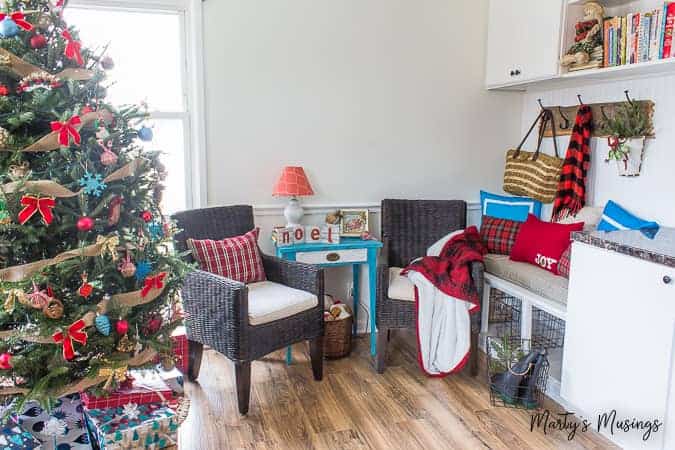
499,235
564,263
237,258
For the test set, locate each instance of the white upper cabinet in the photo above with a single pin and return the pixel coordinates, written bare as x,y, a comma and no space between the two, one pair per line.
523,41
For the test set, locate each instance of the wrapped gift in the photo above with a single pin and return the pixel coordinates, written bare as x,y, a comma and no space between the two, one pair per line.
146,387
151,426
13,437
60,428
173,378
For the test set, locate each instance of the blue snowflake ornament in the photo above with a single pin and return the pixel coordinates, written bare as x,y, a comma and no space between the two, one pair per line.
93,184
156,230
143,269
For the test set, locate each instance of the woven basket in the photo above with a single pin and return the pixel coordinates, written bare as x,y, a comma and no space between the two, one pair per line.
337,341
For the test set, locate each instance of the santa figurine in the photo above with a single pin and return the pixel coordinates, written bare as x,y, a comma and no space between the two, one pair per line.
587,50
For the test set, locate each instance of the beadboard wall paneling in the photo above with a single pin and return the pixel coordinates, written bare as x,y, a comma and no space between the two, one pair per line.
651,194
338,279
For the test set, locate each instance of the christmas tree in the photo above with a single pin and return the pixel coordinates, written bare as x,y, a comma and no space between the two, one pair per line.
88,275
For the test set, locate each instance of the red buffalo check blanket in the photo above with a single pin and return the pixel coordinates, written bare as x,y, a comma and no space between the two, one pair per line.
446,295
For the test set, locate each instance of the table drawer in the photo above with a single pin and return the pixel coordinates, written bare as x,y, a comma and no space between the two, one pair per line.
333,257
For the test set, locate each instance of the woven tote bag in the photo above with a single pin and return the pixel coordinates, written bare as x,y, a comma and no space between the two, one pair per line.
534,175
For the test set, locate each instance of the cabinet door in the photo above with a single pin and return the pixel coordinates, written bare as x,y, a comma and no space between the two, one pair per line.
523,41
619,341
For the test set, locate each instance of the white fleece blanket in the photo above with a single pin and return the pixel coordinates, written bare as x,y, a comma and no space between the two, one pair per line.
443,322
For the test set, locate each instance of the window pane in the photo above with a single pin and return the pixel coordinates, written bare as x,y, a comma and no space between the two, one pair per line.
146,48
169,139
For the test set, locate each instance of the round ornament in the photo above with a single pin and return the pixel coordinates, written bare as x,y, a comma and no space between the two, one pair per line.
108,157
146,216
152,325
85,224
4,90
85,289
168,363
102,323
44,21
38,41
145,134
107,63
8,28
122,326
5,361
54,309
4,138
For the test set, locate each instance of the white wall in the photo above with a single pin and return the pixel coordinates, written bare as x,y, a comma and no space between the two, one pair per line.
375,98
651,194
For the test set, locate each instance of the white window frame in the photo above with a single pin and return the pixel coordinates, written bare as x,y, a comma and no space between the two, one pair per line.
193,116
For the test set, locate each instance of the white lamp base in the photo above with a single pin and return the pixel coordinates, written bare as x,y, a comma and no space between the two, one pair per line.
293,213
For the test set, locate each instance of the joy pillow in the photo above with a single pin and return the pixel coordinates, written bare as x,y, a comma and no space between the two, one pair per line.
542,243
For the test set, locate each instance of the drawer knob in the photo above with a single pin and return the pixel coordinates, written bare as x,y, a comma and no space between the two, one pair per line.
667,279
517,72
332,257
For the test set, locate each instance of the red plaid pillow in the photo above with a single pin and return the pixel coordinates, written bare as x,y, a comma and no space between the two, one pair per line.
564,263
237,258
499,235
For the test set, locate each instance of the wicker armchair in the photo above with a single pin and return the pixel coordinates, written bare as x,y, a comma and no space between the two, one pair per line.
409,227
218,308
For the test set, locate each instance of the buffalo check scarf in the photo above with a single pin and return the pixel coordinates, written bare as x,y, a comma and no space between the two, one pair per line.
571,195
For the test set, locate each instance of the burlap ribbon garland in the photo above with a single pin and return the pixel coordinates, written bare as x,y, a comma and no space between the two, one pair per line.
54,189
16,274
51,141
143,358
21,68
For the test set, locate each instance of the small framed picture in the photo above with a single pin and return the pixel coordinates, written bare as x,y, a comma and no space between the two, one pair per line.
354,222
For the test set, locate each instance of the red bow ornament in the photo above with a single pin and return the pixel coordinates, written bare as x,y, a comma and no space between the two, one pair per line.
19,18
67,130
156,282
76,333
72,48
33,204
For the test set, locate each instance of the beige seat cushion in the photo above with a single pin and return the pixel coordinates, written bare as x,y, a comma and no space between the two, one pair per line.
269,301
530,277
400,287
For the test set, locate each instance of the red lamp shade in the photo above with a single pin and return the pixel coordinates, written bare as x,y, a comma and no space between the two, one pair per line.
293,182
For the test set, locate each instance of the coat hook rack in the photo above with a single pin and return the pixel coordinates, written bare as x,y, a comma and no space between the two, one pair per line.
604,114
540,104
563,125
628,97
581,102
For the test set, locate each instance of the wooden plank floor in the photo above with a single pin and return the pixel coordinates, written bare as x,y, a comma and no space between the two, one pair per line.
355,408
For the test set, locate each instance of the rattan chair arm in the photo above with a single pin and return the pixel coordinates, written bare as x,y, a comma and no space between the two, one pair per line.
217,311
382,287
305,277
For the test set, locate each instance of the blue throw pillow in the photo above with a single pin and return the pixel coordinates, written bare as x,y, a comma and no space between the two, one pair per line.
614,217
511,208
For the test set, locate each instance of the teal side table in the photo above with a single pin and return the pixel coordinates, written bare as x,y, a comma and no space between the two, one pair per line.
353,252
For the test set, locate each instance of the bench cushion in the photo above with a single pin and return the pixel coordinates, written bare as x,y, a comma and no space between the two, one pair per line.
400,287
537,280
269,301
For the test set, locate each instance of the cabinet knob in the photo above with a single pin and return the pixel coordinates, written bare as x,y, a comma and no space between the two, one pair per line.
517,72
512,73
667,279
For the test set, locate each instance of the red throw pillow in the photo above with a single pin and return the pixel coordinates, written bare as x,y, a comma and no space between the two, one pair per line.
499,235
237,258
542,243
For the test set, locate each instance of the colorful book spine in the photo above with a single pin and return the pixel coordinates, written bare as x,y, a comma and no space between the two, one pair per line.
653,35
623,40
606,42
643,37
664,14
636,36
668,31
629,39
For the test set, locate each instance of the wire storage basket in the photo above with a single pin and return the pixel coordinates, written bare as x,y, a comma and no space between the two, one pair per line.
517,372
548,331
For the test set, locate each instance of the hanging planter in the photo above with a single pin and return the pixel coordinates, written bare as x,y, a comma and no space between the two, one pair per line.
627,130
628,154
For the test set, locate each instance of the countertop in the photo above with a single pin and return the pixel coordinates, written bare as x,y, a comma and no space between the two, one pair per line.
660,250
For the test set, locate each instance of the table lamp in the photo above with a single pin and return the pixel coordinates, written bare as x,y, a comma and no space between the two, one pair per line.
293,183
